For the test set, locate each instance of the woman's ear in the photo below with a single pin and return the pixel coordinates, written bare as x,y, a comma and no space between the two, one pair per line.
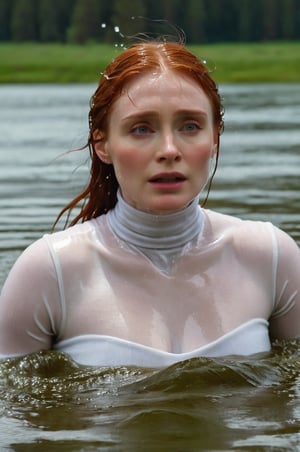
100,146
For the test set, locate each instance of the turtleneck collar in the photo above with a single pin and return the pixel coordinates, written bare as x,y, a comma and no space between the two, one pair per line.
156,232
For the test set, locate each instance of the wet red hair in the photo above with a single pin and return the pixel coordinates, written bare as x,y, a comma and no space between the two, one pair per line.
99,196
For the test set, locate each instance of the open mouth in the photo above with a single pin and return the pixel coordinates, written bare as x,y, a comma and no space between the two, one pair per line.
168,178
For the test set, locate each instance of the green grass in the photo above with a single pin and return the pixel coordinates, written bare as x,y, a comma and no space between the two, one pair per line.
259,62
59,63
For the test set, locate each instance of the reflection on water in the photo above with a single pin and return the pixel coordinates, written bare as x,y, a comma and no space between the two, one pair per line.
47,401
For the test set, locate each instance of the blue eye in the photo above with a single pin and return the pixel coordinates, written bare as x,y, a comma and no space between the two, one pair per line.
190,127
140,130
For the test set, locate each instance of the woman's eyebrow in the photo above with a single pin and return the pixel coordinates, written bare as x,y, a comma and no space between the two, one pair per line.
191,112
151,114
141,115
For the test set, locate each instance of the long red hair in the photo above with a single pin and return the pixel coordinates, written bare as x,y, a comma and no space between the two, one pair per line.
100,194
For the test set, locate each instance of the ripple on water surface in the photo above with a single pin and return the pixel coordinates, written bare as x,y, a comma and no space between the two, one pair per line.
228,403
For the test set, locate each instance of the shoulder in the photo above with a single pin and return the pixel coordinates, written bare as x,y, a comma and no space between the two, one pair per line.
74,243
78,232
80,236
252,235
40,254
32,268
287,249
222,224
245,236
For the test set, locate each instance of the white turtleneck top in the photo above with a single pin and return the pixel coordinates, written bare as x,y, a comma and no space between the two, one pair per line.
132,288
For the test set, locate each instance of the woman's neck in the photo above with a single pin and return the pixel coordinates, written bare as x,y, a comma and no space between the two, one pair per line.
160,237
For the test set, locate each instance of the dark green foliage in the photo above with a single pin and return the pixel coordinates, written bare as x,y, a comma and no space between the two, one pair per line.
203,21
85,21
24,23
54,19
6,7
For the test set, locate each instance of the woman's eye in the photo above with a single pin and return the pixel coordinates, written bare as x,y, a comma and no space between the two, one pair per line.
190,127
140,130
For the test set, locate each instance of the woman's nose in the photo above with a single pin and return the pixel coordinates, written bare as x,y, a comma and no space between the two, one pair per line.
168,149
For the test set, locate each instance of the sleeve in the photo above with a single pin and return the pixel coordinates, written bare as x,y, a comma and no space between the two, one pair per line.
285,318
29,303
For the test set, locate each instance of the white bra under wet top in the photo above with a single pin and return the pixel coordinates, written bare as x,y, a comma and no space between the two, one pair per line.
250,338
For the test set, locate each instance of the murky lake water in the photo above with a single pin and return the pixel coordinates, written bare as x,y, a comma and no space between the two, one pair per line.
47,402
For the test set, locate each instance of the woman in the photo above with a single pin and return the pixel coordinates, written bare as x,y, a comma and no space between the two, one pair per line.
144,276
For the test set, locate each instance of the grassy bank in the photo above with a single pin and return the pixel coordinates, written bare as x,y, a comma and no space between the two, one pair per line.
57,63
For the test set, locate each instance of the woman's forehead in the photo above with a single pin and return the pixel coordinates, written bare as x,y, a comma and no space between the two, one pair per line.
155,84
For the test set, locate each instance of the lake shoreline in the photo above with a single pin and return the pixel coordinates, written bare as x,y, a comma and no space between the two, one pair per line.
268,62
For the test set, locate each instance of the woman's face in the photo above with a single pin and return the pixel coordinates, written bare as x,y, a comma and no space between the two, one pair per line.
160,141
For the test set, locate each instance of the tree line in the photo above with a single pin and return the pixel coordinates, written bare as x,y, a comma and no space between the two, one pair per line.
203,21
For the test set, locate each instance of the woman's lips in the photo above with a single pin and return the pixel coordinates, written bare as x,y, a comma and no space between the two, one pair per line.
168,177
169,181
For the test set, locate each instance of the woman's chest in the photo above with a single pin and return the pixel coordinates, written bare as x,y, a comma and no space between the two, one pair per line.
177,312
